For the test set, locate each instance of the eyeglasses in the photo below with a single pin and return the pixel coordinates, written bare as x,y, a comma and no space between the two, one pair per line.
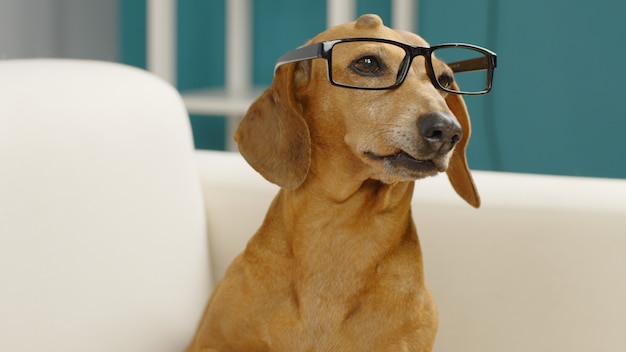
376,63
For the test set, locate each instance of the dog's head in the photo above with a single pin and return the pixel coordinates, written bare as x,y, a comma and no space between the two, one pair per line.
405,133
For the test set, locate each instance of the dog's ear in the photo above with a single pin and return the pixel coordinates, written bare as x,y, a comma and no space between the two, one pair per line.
273,136
458,170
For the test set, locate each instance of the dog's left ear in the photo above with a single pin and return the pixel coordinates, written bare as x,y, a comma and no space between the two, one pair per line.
458,170
273,136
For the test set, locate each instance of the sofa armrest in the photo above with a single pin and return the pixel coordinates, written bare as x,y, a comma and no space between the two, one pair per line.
102,230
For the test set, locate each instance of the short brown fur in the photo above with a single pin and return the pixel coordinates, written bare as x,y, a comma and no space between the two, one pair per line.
336,264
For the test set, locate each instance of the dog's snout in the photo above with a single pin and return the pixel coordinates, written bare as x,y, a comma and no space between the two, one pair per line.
439,131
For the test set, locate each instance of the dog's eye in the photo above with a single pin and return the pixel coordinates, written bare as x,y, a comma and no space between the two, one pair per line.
367,65
445,80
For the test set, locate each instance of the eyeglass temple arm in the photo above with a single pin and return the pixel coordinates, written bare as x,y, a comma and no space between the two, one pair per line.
312,51
477,64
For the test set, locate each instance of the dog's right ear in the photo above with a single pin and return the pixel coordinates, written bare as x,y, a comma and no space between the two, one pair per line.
273,136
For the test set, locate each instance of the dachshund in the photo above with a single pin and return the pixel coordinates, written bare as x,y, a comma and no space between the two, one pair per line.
337,265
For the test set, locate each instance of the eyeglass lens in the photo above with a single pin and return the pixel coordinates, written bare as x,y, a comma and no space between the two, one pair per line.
376,65
470,67
366,64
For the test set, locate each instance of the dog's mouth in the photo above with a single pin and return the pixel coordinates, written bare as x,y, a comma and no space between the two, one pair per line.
403,160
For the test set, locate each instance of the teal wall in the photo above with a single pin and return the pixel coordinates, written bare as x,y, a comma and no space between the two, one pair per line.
556,107
561,106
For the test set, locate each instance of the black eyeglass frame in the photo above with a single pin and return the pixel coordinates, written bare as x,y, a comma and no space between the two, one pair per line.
324,50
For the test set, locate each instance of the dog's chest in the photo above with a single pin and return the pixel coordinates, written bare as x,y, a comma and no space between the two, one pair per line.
338,309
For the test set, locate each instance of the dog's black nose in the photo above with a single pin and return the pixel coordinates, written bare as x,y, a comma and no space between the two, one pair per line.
440,131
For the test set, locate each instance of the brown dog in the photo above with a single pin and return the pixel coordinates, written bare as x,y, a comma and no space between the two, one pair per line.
337,265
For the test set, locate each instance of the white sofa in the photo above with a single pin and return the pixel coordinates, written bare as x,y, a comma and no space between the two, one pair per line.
113,230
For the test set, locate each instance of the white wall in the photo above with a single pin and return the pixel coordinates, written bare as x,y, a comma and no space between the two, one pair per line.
59,28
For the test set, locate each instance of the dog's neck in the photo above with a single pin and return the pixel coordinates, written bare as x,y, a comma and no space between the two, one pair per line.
335,247
368,197
318,211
